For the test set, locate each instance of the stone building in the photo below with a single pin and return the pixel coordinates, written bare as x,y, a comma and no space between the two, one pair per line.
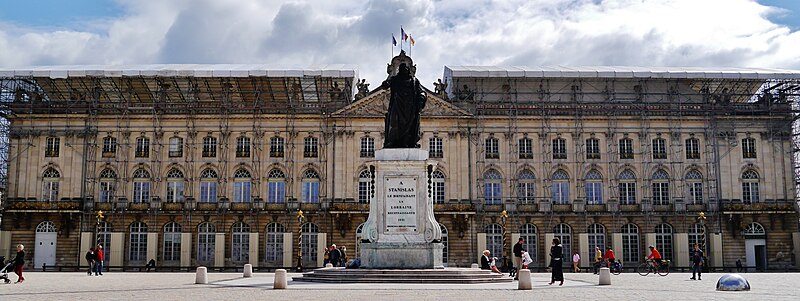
209,164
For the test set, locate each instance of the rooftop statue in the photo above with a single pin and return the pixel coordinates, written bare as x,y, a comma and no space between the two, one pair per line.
405,104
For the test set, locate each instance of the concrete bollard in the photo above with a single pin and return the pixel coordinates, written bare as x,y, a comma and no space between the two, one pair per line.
280,279
328,265
474,266
605,276
525,282
201,276
248,270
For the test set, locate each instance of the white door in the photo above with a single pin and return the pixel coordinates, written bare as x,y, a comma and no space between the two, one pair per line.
44,251
750,250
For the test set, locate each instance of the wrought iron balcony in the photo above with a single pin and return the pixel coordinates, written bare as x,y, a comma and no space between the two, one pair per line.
765,206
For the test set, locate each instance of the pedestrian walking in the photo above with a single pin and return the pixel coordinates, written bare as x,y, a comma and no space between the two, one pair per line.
335,255
90,259
19,263
598,257
697,262
556,256
739,266
98,263
518,255
576,261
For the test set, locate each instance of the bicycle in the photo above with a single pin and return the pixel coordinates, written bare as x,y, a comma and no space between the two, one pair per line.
616,268
648,267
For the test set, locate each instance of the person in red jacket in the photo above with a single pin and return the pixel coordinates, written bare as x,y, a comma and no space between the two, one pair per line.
609,257
99,261
655,256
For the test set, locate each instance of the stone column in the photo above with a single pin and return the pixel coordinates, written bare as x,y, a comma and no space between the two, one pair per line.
287,250
321,244
583,250
715,251
219,249
152,246
482,246
87,241
117,249
253,252
681,250
186,249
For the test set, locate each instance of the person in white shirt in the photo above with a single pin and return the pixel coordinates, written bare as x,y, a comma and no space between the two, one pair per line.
576,259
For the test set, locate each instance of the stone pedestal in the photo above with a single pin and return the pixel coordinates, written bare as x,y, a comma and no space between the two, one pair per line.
248,271
525,281
201,276
280,281
401,232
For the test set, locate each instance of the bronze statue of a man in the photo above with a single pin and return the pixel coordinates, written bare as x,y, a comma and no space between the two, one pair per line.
406,102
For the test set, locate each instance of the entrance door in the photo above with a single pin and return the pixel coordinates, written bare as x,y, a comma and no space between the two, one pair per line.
44,251
756,253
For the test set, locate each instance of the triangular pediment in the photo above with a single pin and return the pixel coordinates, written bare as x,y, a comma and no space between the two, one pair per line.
377,103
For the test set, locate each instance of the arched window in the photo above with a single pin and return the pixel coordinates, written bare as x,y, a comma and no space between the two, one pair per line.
276,186
309,233
208,186
564,233
594,187
104,230
50,181
696,235
364,180
528,233
46,227
630,243
627,187
444,243
141,186
172,242
206,242
492,181
437,186
560,187
750,187
175,147
664,240
241,186
274,253
175,186
660,187
754,229
494,240
310,192
138,242
596,239
526,187
107,181
694,181
240,242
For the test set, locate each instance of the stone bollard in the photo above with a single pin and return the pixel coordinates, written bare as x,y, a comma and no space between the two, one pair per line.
280,279
525,282
201,276
328,265
248,270
474,266
605,276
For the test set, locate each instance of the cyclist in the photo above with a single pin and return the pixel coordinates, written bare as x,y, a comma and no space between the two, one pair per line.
655,256
609,257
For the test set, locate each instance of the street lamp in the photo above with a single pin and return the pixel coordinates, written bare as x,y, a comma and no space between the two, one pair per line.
301,219
701,218
99,216
503,218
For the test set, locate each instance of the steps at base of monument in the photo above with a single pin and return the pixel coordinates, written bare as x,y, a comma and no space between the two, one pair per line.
441,276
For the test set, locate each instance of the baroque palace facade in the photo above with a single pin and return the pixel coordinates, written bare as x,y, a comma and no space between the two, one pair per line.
209,164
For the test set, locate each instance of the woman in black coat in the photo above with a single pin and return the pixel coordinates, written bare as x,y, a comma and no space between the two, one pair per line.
19,263
556,262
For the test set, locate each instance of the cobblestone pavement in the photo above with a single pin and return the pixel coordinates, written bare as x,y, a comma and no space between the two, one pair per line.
230,286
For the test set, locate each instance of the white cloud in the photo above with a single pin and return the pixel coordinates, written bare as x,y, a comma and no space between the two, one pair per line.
447,32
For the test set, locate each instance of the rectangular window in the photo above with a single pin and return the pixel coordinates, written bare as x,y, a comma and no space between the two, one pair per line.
310,192
205,247
627,193
435,147
749,148
626,149
363,191
630,247
526,192
172,246
106,191
560,192
50,190
525,148
138,250
175,147
696,193
660,193
142,147
438,191
491,193
274,247
174,191
492,148
209,147
559,149
240,247
592,149
242,147
276,145
241,192
52,147
109,147
664,244
750,192
692,148
310,147
594,193
659,149
367,147
276,191
208,191
141,192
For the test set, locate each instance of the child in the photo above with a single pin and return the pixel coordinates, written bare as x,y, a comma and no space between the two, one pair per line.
493,266
526,260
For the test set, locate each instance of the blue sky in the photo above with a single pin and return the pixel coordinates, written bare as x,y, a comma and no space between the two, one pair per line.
705,33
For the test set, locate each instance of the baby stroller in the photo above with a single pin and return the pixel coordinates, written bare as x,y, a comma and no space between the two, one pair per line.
5,269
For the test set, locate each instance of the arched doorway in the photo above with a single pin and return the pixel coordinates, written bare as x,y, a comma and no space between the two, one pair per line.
44,252
755,243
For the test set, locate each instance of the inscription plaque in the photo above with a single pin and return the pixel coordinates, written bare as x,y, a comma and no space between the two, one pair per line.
401,205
